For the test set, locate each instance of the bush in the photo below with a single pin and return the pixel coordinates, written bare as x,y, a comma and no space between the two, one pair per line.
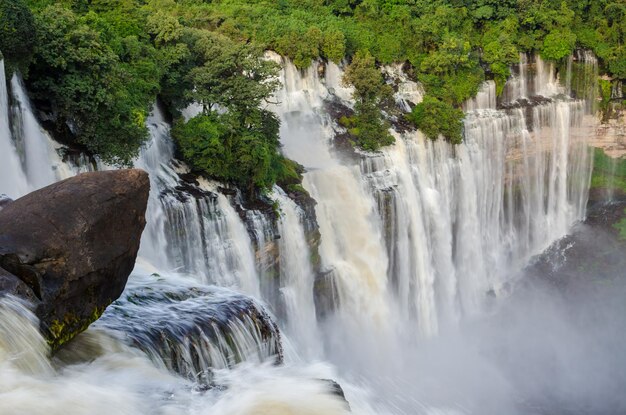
17,33
558,44
372,94
434,118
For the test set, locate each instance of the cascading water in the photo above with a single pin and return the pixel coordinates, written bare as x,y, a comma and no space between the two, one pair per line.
351,248
29,158
482,208
454,221
31,138
192,228
297,277
12,179
415,240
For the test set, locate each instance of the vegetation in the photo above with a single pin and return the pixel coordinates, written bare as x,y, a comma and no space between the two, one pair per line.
17,33
97,66
371,95
608,173
434,118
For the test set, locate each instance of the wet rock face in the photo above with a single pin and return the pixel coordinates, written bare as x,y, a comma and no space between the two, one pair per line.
192,329
592,255
73,245
12,285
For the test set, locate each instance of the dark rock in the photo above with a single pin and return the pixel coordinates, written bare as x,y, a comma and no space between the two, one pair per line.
336,389
192,329
592,252
325,293
73,244
12,285
4,201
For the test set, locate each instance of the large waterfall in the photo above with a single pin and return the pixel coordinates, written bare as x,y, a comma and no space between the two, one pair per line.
417,242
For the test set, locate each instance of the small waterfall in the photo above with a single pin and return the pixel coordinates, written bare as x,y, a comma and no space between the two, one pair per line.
39,156
12,177
296,276
21,345
408,92
192,228
533,77
206,238
351,249
33,158
261,228
546,79
484,99
192,329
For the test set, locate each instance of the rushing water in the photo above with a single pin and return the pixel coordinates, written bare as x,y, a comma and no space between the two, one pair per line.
419,242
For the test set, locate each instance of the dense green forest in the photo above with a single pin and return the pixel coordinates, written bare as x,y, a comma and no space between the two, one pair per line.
99,65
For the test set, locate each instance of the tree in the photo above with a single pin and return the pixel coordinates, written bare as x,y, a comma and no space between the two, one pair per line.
372,95
17,33
91,93
228,74
200,142
434,118
232,147
558,44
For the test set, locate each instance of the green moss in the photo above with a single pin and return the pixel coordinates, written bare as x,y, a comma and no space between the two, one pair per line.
62,331
297,189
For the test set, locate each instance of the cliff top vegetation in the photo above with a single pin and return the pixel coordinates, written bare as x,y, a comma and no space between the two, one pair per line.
97,66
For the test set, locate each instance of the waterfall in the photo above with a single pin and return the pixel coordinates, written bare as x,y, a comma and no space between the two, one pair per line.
485,98
12,178
464,218
415,239
351,247
423,230
189,328
297,277
430,232
191,227
31,158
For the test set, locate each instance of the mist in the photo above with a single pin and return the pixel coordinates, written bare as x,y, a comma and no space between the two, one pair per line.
553,345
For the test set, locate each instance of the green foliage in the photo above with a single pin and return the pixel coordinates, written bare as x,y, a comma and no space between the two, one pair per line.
558,44
371,94
608,173
235,148
201,142
499,49
229,74
95,97
17,33
99,65
434,118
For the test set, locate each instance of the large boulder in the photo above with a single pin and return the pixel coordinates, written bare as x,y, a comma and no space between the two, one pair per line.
72,246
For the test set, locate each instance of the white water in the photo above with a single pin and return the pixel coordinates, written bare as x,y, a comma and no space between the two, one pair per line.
12,179
297,277
417,240
29,158
114,378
